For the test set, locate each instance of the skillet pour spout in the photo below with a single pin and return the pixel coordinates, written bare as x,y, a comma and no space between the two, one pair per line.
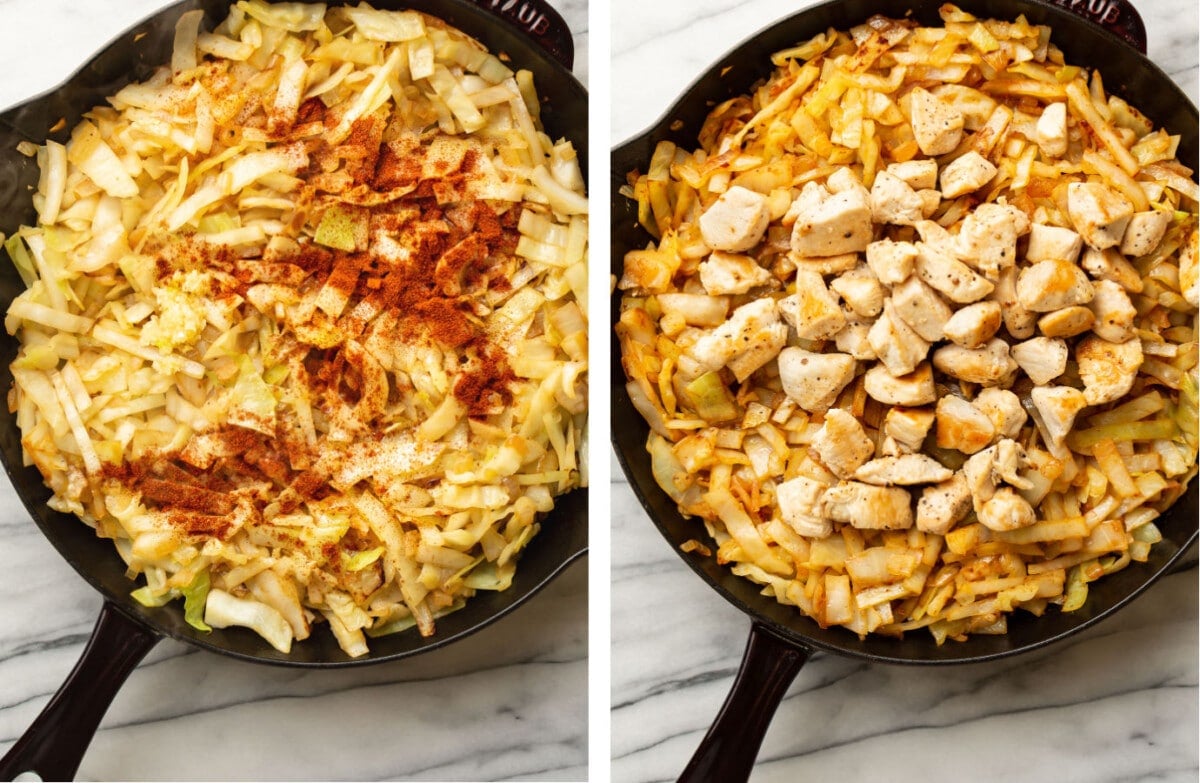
781,639
534,36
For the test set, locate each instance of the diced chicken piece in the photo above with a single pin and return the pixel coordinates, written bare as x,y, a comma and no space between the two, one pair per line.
943,505
918,174
1006,510
930,201
812,311
842,444
826,265
1057,406
936,236
1050,133
1108,369
799,502
1189,283
736,221
1053,285
829,224
976,106
966,174
950,276
1042,358
937,126
908,426
1019,322
988,237
695,309
962,426
814,380
1008,460
989,366
1144,232
1067,322
911,390
892,262
1099,214
751,337
1052,243
895,343
1114,312
974,325
861,290
855,340
906,470
731,273
1001,462
845,179
1004,410
868,507
1111,265
921,308
893,201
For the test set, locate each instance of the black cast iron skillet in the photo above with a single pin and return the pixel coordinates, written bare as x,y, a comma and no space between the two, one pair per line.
535,37
781,639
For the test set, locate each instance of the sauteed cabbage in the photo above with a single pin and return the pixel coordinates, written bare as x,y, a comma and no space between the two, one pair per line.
305,331
916,336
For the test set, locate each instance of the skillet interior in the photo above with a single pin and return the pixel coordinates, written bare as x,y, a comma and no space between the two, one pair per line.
134,55
1125,73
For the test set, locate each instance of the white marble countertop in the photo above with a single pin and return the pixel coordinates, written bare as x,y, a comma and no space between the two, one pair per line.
1118,703
509,703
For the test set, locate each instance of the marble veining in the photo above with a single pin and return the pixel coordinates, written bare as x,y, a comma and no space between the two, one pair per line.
509,703
1115,703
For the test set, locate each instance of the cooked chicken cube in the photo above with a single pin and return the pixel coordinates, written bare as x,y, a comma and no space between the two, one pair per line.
800,506
962,426
861,290
892,262
930,201
825,265
1067,322
736,220
936,236
842,444
751,337
918,174
1004,410
1057,406
812,311
893,201
937,126
846,179
731,273
1189,254
695,309
943,505
895,343
1144,232
921,308
1114,312
1019,322
974,325
1050,133
1052,243
1001,462
1053,285
1042,358
814,380
950,276
1006,510
1111,265
1098,213
990,365
908,426
988,237
855,340
868,507
829,224
1108,369
906,470
911,390
966,174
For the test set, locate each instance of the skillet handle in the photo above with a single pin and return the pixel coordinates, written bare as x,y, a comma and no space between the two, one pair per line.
728,750
54,745
1119,17
537,20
